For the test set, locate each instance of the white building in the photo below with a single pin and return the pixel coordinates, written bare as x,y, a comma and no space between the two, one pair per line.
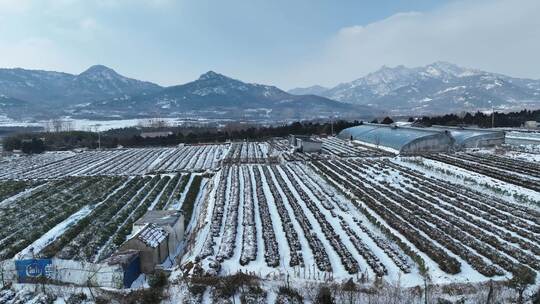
304,143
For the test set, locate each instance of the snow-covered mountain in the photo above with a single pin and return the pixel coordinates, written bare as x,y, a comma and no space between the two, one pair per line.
218,96
55,88
440,87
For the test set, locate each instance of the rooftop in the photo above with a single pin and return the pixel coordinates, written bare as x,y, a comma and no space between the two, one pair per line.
152,235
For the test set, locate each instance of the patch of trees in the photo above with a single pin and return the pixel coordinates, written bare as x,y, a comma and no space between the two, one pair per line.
387,120
27,145
512,119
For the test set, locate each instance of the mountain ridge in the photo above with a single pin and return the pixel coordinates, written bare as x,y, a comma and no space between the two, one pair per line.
59,88
439,87
218,96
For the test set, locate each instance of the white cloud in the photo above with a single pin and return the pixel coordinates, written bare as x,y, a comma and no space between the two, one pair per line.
499,35
38,53
14,6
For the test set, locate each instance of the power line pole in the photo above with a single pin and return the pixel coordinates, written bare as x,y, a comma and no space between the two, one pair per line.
492,116
98,131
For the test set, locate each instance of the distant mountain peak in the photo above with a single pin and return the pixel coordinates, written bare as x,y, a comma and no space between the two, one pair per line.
98,69
210,75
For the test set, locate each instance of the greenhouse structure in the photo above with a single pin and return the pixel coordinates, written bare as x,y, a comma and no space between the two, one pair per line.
468,138
404,140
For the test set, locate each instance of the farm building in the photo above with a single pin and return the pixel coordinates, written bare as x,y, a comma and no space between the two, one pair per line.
293,139
305,144
152,243
405,140
171,221
467,138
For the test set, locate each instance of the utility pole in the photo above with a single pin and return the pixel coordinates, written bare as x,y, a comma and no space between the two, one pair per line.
96,126
492,116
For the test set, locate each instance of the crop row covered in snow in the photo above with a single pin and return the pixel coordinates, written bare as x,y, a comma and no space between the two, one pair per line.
125,162
359,217
84,218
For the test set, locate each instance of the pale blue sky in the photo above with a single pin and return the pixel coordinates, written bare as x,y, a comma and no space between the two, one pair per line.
285,43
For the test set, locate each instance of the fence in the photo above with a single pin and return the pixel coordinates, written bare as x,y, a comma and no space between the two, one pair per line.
66,271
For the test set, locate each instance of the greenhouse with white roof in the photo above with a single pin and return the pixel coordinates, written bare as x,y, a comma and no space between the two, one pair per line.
468,138
404,140
414,140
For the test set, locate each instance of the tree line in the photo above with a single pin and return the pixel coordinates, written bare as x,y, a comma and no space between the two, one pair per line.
483,120
131,137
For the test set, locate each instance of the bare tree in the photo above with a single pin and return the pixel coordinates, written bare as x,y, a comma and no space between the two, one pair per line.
58,125
156,123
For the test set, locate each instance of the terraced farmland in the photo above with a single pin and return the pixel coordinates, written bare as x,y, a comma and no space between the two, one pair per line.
352,211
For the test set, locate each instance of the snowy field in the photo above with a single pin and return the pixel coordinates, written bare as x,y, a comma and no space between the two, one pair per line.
364,219
352,213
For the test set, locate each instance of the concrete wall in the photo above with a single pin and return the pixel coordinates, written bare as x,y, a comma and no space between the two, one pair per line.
82,273
74,272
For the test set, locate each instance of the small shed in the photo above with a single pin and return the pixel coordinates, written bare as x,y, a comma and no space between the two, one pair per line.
309,145
293,139
152,243
304,143
172,221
